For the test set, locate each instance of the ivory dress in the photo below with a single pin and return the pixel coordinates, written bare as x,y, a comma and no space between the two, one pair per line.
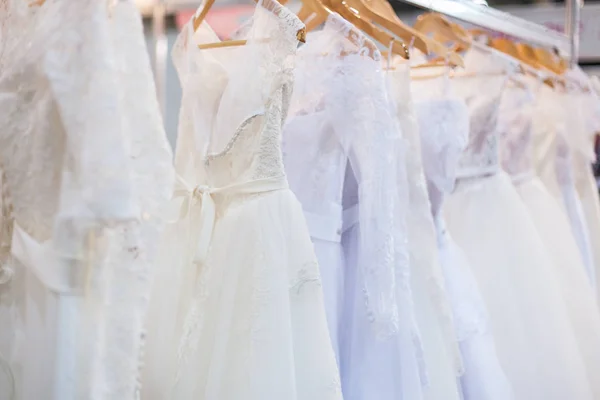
250,322
83,150
534,339
515,128
444,127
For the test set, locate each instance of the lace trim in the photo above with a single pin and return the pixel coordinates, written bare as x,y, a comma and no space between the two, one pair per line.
234,138
290,19
304,277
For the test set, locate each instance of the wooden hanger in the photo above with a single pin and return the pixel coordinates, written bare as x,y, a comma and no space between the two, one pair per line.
380,11
353,16
315,9
444,30
549,59
197,21
523,55
384,9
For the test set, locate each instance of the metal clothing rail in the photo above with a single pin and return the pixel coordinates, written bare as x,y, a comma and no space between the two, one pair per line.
499,21
567,43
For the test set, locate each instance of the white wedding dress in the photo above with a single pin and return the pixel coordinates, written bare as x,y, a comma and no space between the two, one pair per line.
582,138
585,105
320,141
485,215
250,319
333,160
557,126
85,157
441,354
444,128
515,122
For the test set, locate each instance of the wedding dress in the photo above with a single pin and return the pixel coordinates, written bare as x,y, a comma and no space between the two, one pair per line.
515,122
583,142
444,126
486,217
432,311
333,160
83,158
319,143
251,321
556,119
339,75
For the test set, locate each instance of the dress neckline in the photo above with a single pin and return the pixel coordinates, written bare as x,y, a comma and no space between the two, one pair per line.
247,87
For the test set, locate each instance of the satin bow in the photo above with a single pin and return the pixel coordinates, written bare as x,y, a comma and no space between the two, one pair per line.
202,220
201,228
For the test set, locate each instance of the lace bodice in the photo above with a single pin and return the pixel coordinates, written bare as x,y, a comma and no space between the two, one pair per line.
232,111
482,93
312,135
444,129
515,126
340,118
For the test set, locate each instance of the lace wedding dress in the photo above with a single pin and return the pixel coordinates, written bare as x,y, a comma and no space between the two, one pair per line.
486,217
319,143
84,158
444,127
515,123
338,74
250,320
432,309
335,161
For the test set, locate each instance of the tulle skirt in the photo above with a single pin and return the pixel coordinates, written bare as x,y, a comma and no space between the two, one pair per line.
372,367
250,324
442,375
553,228
483,377
331,263
534,338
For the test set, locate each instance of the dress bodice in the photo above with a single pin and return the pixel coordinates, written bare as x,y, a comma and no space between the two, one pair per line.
317,143
481,90
444,128
232,112
515,127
